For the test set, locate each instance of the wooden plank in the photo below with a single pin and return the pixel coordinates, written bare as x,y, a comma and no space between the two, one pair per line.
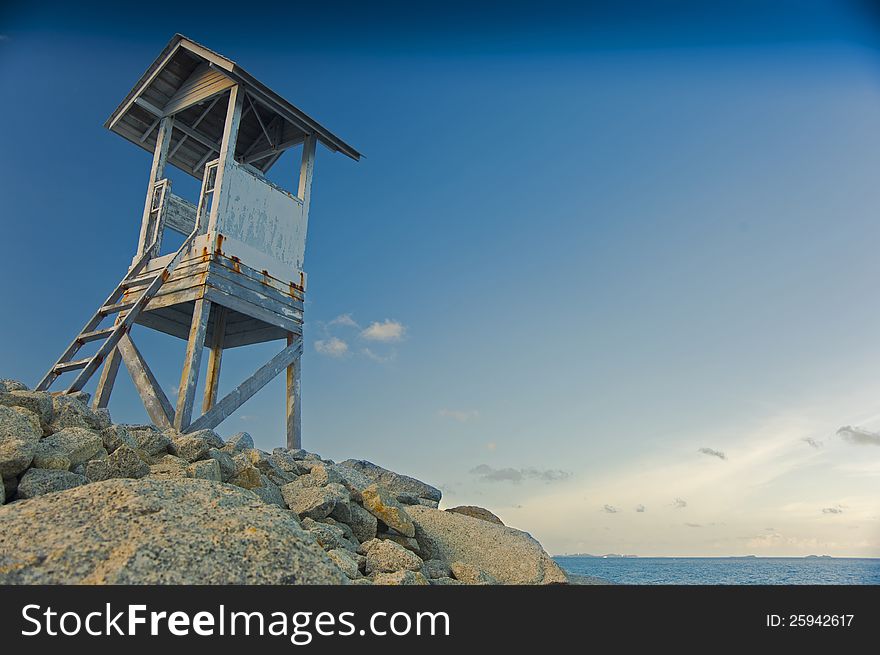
157,171
255,290
215,355
239,305
306,170
243,392
154,399
191,362
180,215
294,398
107,380
204,83
290,308
226,150
261,335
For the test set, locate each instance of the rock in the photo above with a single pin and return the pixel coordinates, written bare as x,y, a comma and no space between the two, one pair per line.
38,402
476,512
327,535
189,447
285,461
169,467
342,508
8,384
224,461
121,463
350,478
151,441
76,444
157,532
15,456
346,561
400,578
52,458
437,568
239,442
387,557
115,436
508,555
247,478
72,412
394,482
19,423
407,542
207,469
270,493
210,437
312,502
470,574
378,502
37,482
362,523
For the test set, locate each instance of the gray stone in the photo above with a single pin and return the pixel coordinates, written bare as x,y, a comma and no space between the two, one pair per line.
407,542
169,467
207,469
123,462
510,556
11,485
470,574
394,482
400,578
157,532
312,502
36,482
151,441
213,439
238,442
69,412
379,502
189,447
363,524
444,581
342,509
270,493
15,456
387,557
346,561
476,512
2,492
437,568
351,479
248,478
115,436
8,384
285,461
76,444
38,402
224,461
327,535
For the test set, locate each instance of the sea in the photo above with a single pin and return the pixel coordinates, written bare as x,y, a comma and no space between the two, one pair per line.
725,570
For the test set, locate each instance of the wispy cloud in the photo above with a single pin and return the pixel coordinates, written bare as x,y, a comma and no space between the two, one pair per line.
812,442
332,347
711,452
376,357
858,436
489,474
679,503
610,509
460,415
387,330
837,509
694,525
344,320
640,509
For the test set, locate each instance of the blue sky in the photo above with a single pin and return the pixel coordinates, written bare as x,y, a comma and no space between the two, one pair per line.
593,243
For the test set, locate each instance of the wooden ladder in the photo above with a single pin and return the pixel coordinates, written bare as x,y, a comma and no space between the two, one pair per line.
127,311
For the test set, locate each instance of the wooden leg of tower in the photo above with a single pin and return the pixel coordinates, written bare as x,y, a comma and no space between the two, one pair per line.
107,380
192,361
294,397
215,354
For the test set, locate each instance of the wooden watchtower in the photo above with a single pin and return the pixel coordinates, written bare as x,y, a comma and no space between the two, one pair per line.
238,277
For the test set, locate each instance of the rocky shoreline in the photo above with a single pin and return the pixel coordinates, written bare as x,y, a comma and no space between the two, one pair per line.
84,500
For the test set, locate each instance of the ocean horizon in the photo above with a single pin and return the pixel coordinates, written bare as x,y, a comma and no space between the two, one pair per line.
731,570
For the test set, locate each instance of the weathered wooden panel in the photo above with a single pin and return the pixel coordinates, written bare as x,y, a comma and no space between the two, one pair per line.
203,83
180,215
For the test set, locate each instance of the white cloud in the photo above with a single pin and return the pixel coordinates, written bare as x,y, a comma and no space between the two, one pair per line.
344,320
858,436
711,452
377,357
387,330
332,347
460,415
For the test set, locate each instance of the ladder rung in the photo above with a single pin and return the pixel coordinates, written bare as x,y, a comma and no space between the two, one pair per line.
139,281
94,336
72,366
120,307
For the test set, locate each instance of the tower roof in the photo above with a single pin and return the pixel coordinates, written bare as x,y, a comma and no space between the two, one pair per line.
187,80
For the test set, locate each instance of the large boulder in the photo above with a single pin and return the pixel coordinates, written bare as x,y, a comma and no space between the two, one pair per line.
20,432
77,445
397,484
381,504
509,556
38,402
157,532
388,557
37,482
476,512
